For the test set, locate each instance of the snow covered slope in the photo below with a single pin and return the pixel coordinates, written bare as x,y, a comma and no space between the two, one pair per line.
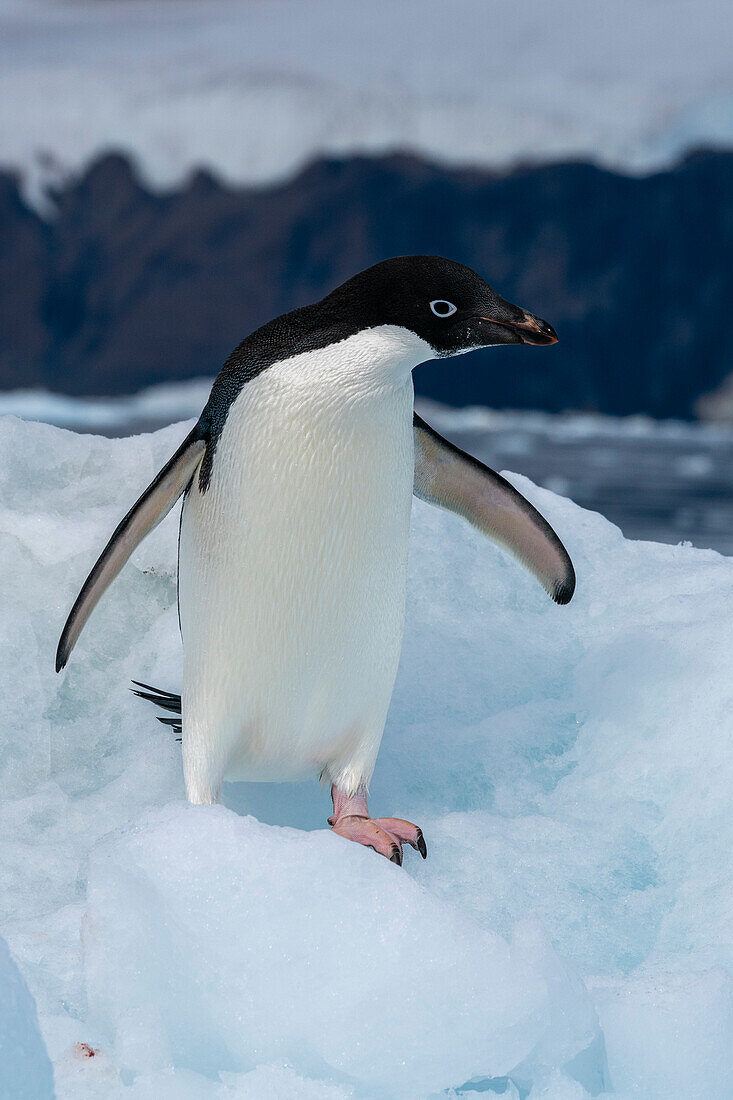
571,933
255,89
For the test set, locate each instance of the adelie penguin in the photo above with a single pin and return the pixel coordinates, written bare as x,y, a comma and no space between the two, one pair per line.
297,483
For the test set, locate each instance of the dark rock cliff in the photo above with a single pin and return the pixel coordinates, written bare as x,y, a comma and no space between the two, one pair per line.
121,288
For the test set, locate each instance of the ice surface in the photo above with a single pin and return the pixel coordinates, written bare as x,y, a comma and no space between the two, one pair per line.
669,1035
83,1075
257,89
571,769
358,964
25,1069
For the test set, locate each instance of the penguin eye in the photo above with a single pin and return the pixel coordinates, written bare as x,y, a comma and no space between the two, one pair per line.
441,308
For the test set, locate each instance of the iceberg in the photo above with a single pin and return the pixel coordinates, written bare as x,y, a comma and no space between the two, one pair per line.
570,934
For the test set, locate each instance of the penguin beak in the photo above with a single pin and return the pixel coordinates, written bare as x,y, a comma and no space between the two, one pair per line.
528,329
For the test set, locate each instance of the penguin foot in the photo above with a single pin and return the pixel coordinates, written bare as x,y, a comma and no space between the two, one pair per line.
385,835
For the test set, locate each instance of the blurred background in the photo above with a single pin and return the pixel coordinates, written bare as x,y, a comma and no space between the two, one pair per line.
173,173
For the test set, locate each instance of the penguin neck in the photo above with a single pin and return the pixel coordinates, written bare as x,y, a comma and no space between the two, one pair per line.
370,363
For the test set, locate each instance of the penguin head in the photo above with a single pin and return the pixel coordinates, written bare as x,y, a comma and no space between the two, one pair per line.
445,304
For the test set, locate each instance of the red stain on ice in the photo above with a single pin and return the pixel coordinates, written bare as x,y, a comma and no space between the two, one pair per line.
83,1050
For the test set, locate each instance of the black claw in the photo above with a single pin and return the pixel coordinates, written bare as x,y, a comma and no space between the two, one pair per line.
421,845
396,857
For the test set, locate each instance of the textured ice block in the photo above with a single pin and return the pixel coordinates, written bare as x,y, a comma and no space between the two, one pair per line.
214,941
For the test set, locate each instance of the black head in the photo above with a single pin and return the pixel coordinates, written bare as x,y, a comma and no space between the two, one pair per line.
448,307
446,304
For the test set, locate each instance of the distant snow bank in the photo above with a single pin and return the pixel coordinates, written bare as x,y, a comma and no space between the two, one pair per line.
169,402
567,425
255,90
147,410
570,933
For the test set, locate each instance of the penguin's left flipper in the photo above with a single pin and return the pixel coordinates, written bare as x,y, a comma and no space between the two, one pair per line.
451,479
153,506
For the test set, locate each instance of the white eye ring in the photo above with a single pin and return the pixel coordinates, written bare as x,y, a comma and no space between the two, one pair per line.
441,308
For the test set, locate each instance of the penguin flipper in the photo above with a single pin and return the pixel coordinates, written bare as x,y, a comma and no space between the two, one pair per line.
155,503
451,479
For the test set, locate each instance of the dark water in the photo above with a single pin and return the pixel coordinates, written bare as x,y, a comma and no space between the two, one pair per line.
664,482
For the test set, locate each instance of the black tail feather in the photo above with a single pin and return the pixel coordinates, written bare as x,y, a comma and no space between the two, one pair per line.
174,723
164,699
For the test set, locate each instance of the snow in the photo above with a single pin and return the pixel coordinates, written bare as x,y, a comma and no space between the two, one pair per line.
255,90
571,931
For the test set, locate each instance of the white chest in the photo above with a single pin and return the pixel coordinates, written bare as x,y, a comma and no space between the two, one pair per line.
293,562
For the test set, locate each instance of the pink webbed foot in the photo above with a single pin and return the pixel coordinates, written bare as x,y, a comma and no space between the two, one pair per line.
385,835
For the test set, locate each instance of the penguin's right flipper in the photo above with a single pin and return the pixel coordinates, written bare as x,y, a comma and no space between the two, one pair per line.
451,479
153,506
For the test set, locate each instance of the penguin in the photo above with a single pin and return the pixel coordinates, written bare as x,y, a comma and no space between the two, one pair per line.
297,482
